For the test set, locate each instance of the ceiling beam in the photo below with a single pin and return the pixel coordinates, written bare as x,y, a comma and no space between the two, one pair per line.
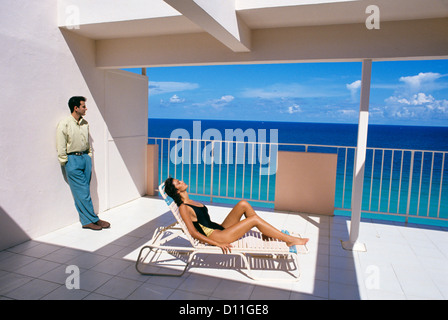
219,19
396,40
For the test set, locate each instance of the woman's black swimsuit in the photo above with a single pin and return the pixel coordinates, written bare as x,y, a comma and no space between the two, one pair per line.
204,220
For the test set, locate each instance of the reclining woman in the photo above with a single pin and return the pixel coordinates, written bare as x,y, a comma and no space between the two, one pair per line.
196,217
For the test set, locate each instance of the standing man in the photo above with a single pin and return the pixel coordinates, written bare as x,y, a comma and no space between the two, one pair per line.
75,154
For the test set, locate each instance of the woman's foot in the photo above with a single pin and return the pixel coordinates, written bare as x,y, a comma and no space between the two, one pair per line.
297,241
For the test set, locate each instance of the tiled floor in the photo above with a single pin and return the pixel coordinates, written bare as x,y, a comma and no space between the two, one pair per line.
401,262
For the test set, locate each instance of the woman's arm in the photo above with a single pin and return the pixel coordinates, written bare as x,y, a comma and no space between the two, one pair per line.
225,247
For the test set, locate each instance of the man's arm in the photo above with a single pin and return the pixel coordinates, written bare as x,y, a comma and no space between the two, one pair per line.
61,144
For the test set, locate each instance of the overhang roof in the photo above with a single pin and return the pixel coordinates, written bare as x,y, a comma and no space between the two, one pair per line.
331,12
159,18
246,26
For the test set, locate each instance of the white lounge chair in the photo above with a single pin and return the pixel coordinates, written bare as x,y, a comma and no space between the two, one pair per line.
251,244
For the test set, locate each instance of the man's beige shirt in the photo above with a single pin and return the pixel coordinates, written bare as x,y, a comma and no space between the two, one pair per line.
72,136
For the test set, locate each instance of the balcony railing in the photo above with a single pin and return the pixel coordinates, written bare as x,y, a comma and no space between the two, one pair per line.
397,182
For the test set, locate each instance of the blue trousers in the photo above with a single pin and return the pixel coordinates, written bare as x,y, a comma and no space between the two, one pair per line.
79,173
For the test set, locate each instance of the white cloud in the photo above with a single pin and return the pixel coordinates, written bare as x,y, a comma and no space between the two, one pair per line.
227,98
420,81
215,103
348,112
295,108
353,88
419,106
158,87
354,85
176,99
274,91
223,101
412,102
291,90
416,99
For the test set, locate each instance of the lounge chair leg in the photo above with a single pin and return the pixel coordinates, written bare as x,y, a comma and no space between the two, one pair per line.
160,274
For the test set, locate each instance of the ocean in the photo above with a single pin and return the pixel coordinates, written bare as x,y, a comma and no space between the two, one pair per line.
379,136
386,185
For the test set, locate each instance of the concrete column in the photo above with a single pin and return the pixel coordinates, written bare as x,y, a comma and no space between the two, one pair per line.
360,160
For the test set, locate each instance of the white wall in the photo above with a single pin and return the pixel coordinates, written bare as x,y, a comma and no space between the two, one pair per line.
126,117
42,67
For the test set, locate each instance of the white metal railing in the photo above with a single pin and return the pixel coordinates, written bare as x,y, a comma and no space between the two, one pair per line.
403,182
400,182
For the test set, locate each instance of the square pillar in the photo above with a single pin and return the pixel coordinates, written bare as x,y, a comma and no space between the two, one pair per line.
360,160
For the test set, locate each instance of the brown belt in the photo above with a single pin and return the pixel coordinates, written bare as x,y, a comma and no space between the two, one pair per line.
77,153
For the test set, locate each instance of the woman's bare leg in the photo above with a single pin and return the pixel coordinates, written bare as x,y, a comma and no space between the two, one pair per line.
241,208
237,230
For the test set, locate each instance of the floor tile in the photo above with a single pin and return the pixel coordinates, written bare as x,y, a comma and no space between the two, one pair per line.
62,293
33,290
57,275
86,260
12,281
119,288
266,293
62,255
233,290
37,268
195,283
15,261
149,291
187,295
91,280
340,291
40,250
112,266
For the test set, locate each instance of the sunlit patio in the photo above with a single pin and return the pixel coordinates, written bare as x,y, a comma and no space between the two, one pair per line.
401,262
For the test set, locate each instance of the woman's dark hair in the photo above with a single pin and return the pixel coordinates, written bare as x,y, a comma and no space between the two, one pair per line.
171,190
75,102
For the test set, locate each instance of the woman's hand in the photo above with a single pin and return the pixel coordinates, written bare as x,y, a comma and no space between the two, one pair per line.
225,247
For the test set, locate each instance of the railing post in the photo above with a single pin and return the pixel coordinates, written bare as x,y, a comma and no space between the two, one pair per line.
211,168
411,170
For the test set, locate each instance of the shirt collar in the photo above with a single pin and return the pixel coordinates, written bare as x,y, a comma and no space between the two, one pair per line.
77,122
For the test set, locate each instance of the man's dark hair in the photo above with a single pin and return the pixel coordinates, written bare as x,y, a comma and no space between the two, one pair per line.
75,102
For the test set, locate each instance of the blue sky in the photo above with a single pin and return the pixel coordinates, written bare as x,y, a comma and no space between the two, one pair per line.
402,92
